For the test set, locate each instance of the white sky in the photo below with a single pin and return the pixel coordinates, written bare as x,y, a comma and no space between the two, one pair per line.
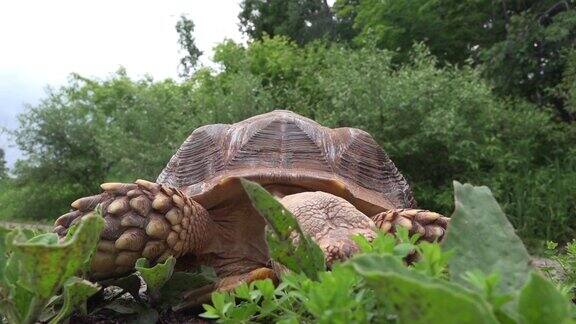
42,42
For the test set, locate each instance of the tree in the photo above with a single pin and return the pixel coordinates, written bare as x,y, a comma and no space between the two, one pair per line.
3,167
185,30
524,45
533,60
301,20
452,29
90,131
437,122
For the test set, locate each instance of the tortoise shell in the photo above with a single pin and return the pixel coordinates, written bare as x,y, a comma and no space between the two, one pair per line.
285,149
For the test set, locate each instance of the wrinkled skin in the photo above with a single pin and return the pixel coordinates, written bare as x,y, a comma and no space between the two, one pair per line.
331,221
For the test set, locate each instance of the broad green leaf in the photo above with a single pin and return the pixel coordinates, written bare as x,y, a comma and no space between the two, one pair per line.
306,256
47,238
76,292
156,276
19,297
44,266
541,302
416,298
482,239
171,292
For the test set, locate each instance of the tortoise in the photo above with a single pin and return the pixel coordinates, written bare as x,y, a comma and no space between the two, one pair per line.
337,183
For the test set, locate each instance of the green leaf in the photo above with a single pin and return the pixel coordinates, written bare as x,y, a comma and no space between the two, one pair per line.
38,266
210,312
482,239
47,238
171,292
44,266
76,292
156,276
541,302
384,243
306,256
266,287
416,298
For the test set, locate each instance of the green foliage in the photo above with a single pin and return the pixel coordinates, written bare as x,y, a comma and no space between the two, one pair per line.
454,30
378,286
419,299
165,289
566,89
301,20
533,57
541,302
155,277
171,293
76,292
296,299
305,256
3,167
185,29
523,46
90,131
35,268
477,232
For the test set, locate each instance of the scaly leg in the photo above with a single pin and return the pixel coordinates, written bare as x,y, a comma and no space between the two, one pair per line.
430,225
142,219
201,295
331,221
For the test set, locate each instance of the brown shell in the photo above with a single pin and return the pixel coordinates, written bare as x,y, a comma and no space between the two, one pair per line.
284,148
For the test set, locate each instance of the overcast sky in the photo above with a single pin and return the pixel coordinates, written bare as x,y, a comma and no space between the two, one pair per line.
42,42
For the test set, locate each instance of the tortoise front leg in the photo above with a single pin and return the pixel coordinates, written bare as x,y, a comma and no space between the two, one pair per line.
330,221
142,219
199,296
430,225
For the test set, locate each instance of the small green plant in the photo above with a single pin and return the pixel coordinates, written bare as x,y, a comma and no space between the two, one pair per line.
34,269
473,281
164,290
306,256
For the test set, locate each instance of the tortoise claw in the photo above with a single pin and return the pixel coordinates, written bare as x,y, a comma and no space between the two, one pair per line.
429,225
339,252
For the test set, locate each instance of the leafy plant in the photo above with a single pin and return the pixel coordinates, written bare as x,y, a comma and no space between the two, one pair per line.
305,256
477,234
34,269
440,286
